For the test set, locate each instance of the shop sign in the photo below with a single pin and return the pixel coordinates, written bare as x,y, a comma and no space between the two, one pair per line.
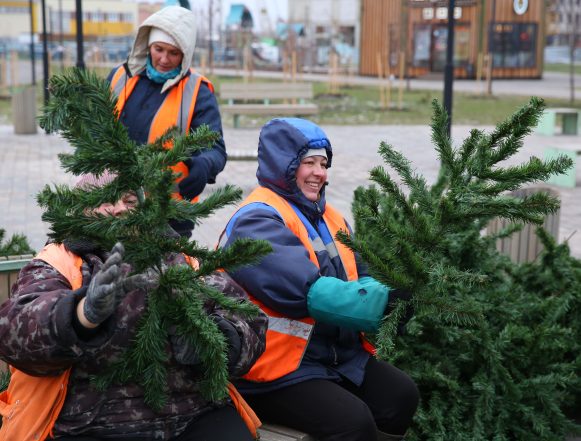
520,6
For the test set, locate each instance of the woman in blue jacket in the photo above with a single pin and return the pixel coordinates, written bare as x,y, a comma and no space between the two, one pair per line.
317,373
157,76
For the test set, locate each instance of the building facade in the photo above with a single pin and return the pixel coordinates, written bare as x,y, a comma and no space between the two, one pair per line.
100,18
329,26
409,37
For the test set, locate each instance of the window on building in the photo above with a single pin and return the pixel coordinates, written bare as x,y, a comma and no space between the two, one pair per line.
347,35
422,42
513,45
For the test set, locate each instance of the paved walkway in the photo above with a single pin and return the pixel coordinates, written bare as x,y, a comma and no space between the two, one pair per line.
29,162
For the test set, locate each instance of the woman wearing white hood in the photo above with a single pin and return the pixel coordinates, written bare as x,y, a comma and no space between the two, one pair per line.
157,90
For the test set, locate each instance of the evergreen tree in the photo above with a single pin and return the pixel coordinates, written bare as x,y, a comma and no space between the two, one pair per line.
493,346
82,109
16,245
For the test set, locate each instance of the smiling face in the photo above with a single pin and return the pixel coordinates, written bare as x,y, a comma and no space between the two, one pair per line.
165,57
311,176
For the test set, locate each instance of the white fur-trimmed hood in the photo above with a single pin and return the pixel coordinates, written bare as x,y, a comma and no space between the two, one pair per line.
178,22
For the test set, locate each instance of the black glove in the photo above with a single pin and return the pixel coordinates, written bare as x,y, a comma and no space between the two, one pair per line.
232,339
195,182
105,290
185,354
406,296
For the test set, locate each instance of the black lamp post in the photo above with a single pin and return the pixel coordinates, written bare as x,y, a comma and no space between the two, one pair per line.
44,53
449,68
80,48
32,54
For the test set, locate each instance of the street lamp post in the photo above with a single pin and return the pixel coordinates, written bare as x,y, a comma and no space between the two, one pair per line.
32,55
80,49
44,53
449,68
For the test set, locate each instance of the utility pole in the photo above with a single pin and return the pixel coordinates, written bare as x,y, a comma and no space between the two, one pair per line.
80,48
449,68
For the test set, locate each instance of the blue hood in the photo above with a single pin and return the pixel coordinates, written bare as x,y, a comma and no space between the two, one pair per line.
281,144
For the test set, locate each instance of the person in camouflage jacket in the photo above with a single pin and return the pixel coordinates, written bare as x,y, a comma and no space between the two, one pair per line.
41,335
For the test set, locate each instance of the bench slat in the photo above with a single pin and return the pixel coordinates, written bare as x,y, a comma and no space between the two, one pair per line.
271,109
261,91
274,432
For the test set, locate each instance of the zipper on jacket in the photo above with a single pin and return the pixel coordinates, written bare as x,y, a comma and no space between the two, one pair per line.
319,212
335,361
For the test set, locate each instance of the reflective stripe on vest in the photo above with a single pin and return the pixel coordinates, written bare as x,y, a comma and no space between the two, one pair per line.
286,338
177,109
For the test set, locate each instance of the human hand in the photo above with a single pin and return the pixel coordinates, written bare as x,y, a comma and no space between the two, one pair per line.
232,339
406,296
353,304
186,354
105,290
195,182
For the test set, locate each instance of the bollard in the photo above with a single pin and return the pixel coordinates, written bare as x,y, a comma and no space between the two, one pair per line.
24,111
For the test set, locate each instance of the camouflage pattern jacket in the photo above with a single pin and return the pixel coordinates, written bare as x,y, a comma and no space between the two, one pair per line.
38,338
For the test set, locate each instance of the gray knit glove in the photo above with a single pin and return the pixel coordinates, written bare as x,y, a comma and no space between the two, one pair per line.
105,290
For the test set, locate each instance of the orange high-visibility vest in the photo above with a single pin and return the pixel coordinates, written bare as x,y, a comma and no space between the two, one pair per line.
31,405
286,338
177,109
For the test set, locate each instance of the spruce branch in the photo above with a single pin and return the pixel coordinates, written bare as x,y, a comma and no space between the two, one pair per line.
83,110
493,346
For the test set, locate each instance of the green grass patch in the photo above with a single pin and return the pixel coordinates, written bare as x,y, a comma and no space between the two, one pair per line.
360,105
561,67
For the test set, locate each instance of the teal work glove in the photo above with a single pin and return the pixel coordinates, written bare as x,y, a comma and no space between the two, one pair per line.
354,305
394,296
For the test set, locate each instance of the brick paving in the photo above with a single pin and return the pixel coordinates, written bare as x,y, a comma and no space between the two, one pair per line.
29,162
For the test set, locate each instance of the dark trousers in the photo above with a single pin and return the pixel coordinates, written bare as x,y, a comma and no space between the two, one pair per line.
223,424
340,411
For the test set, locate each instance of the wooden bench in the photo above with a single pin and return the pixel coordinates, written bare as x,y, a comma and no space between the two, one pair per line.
569,121
569,179
271,99
524,245
9,268
273,432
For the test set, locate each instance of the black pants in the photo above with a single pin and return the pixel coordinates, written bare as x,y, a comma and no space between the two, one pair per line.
223,424
340,411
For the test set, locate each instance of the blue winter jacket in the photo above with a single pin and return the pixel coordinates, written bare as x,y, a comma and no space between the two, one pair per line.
282,279
146,99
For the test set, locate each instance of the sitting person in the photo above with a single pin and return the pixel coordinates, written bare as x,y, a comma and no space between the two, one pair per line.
73,311
318,374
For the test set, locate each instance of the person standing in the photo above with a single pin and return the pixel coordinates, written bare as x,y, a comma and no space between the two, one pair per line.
157,89
318,373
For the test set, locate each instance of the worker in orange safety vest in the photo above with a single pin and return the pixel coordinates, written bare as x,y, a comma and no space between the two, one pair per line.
318,374
73,312
157,89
